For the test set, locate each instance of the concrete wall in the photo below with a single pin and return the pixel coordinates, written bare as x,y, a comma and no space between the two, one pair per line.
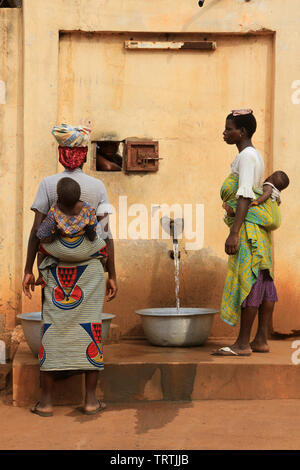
75,69
179,99
11,167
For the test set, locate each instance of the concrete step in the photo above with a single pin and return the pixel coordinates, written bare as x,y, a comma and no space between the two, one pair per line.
136,371
26,381
5,375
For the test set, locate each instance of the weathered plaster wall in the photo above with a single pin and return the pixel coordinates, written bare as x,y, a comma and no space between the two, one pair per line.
227,16
143,267
166,96
11,167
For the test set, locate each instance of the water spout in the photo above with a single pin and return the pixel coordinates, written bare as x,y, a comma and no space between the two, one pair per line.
173,227
173,231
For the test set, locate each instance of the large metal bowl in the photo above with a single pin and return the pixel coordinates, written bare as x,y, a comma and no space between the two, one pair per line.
32,326
166,327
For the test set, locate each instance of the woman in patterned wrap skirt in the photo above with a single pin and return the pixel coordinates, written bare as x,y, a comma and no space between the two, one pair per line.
73,295
73,276
249,287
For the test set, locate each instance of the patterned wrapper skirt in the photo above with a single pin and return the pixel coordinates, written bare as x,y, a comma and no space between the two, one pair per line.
73,297
254,251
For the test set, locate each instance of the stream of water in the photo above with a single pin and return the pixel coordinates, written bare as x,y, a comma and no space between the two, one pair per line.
177,281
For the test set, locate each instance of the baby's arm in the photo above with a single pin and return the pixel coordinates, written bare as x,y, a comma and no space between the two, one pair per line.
40,257
90,232
90,228
267,191
48,229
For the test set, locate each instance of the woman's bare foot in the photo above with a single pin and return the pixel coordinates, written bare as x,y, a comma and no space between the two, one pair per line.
94,408
259,346
241,348
39,281
91,405
42,409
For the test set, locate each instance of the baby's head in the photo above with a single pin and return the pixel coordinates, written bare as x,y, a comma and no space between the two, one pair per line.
279,179
68,192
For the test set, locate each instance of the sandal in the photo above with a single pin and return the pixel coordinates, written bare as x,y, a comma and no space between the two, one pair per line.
36,411
101,407
227,351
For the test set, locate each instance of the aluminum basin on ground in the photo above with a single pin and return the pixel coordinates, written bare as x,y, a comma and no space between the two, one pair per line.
32,325
166,327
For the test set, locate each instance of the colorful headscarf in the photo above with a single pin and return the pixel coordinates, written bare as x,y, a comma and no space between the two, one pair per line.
68,136
73,144
72,158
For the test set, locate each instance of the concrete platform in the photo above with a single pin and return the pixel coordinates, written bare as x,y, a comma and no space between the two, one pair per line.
26,381
137,371
5,371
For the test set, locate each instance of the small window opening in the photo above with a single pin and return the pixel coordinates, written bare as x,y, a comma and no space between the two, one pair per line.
10,3
108,155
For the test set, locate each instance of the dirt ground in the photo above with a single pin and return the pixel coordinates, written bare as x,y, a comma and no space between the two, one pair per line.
198,425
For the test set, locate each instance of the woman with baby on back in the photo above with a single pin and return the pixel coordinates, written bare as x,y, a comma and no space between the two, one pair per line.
252,212
68,217
69,206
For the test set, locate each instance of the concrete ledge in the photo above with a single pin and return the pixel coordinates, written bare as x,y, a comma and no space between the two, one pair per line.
26,382
113,334
136,371
5,371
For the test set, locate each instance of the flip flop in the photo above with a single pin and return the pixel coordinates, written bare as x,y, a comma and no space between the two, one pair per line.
44,414
101,407
227,351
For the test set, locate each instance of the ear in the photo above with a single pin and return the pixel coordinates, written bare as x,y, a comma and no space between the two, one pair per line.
244,132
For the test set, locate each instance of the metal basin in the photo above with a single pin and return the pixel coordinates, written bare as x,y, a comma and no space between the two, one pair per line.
166,327
32,327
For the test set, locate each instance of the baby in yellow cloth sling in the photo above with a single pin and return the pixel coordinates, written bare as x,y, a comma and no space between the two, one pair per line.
272,187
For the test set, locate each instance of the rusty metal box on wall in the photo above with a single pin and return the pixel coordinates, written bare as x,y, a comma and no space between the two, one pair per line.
141,155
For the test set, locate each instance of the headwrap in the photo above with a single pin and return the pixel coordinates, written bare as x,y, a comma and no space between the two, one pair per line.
68,136
72,158
73,144
240,112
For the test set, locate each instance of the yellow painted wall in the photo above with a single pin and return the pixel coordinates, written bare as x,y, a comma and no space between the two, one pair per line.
76,69
11,167
180,99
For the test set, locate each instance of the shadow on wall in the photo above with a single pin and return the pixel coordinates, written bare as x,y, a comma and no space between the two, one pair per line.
286,321
167,382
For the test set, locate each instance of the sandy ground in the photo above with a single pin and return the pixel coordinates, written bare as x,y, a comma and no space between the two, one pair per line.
199,425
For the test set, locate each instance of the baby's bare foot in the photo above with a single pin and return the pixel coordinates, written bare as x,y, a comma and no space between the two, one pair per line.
229,210
39,281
